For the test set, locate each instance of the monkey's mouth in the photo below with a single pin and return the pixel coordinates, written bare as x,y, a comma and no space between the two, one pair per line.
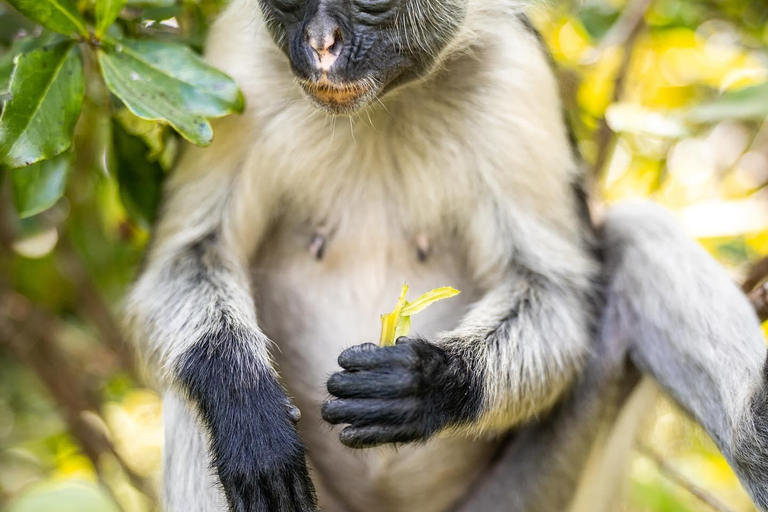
340,98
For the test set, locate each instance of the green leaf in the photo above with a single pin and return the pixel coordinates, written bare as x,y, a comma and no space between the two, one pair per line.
107,12
162,143
168,82
24,45
151,132
38,187
151,3
141,181
160,12
58,15
598,18
13,23
750,103
48,88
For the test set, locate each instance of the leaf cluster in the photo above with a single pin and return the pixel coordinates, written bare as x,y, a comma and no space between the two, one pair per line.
84,53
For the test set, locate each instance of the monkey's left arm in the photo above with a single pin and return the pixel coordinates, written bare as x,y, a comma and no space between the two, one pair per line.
517,350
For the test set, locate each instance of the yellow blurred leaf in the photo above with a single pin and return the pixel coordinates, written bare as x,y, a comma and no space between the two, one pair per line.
758,242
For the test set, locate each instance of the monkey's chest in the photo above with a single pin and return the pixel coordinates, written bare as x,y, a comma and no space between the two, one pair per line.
320,289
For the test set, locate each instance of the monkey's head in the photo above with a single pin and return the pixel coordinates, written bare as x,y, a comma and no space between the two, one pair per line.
346,53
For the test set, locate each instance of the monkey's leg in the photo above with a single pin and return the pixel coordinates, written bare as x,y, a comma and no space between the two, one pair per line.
690,327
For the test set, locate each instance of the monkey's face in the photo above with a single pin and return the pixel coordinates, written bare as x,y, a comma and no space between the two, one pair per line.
345,53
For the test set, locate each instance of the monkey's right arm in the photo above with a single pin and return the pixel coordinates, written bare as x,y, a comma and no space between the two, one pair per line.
192,315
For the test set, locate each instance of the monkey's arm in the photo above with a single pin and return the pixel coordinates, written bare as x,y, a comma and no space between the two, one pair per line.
509,360
192,315
688,325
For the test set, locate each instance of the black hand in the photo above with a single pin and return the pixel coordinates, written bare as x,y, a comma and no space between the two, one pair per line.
400,394
251,426
260,459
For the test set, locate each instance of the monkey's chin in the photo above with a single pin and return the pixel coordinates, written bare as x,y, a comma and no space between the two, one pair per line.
339,98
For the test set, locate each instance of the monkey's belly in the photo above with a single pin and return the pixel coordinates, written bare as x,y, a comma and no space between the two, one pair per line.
313,308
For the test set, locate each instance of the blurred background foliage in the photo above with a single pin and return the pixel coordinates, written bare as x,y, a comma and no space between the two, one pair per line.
668,99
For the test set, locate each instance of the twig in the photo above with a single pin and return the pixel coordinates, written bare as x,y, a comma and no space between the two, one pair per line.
628,25
624,33
759,299
757,274
674,475
756,288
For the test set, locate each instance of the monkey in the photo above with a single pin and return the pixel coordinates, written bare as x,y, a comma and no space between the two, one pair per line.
419,141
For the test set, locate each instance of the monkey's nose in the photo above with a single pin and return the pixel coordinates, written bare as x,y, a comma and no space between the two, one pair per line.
326,42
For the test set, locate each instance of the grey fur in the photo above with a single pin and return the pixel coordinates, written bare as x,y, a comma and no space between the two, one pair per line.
691,328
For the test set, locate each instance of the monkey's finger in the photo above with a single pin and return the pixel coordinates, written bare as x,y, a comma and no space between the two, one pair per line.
368,437
369,356
392,383
370,412
293,412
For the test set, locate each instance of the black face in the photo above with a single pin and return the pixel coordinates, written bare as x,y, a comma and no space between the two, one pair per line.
347,52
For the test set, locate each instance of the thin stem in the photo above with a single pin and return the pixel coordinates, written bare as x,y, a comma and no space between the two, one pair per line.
681,480
624,33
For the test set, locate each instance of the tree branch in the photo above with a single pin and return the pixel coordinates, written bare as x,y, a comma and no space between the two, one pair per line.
624,33
756,288
757,274
759,299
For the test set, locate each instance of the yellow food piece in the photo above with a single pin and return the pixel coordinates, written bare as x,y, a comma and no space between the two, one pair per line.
398,322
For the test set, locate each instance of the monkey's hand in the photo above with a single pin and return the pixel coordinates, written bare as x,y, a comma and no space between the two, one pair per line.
400,394
257,452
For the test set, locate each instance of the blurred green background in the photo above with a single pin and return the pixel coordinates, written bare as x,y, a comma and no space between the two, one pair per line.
668,99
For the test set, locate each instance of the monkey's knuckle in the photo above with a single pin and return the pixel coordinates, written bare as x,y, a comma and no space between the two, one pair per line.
358,350
405,355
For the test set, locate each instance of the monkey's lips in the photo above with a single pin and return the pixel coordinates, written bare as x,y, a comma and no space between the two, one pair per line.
339,98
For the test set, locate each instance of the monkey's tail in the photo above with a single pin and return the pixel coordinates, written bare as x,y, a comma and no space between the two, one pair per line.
683,321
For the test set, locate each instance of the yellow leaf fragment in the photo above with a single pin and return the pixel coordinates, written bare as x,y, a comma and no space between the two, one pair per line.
389,323
398,322
403,327
429,298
